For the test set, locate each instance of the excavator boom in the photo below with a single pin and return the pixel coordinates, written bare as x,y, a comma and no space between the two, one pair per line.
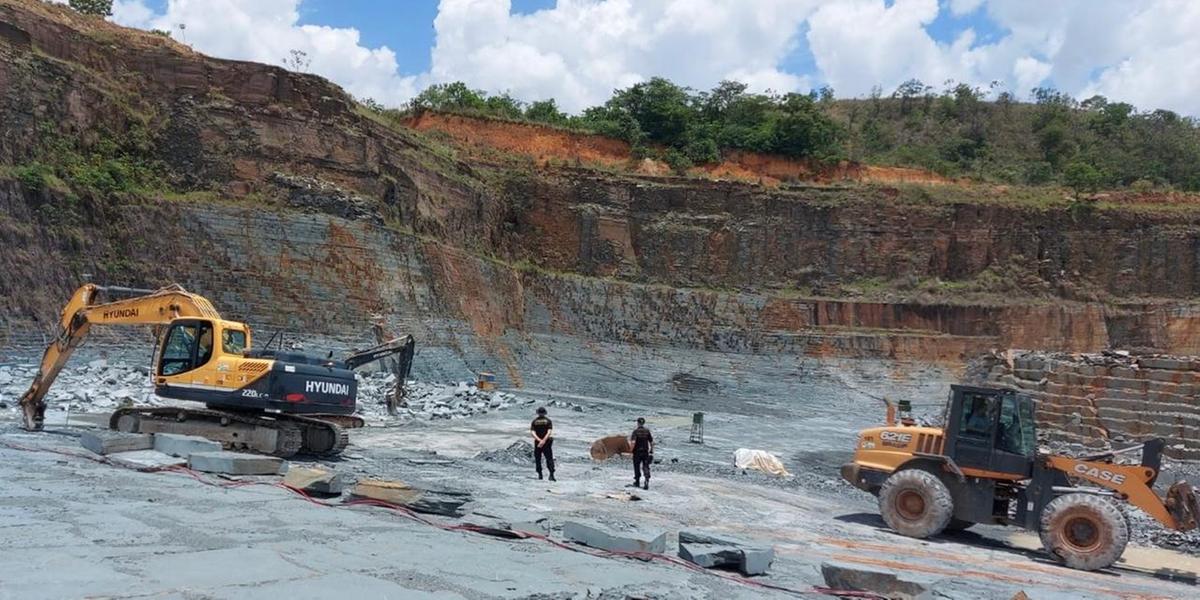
149,307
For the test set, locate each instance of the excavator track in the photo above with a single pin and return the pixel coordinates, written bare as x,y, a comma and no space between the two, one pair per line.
265,433
320,436
343,421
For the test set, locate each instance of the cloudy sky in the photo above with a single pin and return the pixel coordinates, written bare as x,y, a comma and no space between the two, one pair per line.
1145,52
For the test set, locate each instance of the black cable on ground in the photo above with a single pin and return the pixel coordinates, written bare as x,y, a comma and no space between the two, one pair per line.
462,527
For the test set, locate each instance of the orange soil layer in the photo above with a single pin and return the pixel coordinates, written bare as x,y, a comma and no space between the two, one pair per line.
547,144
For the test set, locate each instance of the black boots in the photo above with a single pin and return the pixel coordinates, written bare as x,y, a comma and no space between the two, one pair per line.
540,475
646,486
552,476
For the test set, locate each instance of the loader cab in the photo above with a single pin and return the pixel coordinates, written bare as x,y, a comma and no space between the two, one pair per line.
189,344
991,430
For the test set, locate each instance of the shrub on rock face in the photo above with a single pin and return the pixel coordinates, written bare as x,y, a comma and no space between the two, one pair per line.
102,8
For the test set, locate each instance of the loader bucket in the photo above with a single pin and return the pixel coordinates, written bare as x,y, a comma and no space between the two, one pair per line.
1184,505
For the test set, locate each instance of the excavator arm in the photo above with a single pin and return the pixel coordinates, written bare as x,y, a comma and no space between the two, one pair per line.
147,307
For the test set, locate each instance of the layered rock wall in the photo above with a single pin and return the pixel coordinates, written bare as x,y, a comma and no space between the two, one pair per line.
1108,400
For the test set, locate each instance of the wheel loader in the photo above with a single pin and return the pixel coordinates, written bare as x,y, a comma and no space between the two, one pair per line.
984,466
266,401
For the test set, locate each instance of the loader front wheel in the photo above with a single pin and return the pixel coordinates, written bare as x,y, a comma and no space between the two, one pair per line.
915,503
1084,531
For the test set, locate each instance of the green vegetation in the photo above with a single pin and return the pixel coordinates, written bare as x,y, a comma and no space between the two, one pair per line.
100,8
692,126
1085,145
104,167
957,132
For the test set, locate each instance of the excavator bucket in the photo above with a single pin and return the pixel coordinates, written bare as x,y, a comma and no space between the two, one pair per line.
1184,505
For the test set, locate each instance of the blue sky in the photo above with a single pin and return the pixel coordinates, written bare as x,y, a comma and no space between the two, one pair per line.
1144,52
405,27
409,29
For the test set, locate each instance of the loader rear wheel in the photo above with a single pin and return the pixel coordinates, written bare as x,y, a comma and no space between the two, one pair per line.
915,503
1084,531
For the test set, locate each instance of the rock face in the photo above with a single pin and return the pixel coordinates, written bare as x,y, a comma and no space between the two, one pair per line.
1106,400
298,211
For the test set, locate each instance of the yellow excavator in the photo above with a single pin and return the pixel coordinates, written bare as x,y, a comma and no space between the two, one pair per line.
267,401
984,467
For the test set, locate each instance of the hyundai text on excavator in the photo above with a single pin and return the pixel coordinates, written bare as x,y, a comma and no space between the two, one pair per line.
267,401
984,467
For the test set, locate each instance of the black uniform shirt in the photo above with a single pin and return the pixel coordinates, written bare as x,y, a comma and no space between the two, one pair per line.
641,440
540,426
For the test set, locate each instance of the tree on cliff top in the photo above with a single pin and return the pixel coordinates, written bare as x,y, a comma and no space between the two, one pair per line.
100,8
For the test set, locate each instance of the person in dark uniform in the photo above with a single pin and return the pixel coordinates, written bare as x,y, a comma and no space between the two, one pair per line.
643,453
542,431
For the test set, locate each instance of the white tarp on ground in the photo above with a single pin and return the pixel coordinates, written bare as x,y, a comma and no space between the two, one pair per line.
759,460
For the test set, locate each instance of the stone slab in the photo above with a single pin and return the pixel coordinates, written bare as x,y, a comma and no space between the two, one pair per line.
143,460
515,519
752,559
316,481
756,561
711,555
236,463
849,576
597,537
184,445
691,536
108,442
437,502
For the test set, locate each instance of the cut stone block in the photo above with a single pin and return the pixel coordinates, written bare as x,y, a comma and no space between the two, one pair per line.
439,502
110,442
184,445
514,519
595,537
752,559
756,561
710,555
235,463
145,460
849,576
698,537
316,481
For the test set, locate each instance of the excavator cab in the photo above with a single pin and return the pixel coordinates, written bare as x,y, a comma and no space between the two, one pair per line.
189,344
991,430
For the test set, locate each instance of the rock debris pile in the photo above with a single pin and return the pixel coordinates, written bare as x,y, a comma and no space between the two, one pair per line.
98,385
519,452
94,385
430,401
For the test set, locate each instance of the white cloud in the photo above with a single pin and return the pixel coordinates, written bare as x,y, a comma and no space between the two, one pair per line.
578,51
267,31
964,7
1142,52
1029,72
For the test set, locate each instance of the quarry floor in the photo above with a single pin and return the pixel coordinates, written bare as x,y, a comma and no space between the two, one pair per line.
74,528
